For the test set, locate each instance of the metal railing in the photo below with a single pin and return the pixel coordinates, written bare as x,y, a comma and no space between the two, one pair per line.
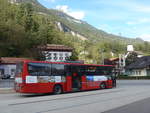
6,83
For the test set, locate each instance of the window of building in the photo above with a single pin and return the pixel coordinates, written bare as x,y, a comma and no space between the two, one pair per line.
55,54
1,72
66,58
66,54
13,71
49,54
49,58
136,72
60,58
139,72
55,58
60,54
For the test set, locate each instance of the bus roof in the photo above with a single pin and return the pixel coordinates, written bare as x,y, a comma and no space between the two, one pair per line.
30,61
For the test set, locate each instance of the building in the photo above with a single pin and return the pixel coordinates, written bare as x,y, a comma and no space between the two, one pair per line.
56,53
141,67
114,62
8,66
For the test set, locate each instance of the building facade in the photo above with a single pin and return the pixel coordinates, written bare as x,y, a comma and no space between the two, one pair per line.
116,63
56,53
138,72
141,67
8,66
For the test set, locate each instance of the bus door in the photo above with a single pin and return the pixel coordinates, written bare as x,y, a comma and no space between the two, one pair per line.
76,78
76,81
68,78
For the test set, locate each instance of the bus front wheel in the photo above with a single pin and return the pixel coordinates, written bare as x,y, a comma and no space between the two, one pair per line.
57,89
103,85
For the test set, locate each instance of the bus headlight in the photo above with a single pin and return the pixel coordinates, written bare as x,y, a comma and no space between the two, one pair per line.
18,79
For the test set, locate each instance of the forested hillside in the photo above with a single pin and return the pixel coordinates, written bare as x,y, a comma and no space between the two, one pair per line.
25,25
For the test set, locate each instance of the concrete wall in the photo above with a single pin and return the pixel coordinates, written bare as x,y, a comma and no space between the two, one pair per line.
137,72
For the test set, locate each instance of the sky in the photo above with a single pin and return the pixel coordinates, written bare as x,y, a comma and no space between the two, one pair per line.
129,18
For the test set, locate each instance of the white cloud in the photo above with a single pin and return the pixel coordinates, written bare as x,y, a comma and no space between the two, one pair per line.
50,0
137,7
63,8
142,8
76,14
144,20
139,21
131,23
131,5
145,37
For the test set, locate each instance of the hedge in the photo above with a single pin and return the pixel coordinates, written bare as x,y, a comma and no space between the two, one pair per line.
133,77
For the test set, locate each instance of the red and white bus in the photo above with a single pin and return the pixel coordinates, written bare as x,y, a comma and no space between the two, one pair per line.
58,77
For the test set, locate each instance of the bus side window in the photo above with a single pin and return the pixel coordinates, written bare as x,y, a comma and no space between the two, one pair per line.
57,69
104,70
67,70
39,69
74,69
101,70
82,70
90,70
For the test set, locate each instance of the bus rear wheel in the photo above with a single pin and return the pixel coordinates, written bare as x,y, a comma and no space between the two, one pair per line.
57,89
103,85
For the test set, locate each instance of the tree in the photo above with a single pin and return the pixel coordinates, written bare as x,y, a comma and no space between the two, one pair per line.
25,17
132,57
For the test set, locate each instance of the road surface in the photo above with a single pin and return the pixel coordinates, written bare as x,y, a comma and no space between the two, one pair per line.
142,106
129,95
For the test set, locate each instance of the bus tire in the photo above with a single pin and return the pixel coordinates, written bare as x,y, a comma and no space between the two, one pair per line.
57,89
103,85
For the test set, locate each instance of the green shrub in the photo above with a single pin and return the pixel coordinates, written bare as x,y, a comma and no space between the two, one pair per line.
132,77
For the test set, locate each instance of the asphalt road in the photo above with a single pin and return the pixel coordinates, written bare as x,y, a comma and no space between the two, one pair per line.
128,97
142,106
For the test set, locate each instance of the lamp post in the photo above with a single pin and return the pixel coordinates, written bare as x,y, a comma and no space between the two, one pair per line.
102,56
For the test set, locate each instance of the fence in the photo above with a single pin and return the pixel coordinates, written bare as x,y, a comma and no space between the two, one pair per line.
6,83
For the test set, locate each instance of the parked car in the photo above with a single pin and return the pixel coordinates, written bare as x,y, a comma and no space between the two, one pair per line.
6,76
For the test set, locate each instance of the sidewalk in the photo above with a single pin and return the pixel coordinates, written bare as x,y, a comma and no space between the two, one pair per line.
6,90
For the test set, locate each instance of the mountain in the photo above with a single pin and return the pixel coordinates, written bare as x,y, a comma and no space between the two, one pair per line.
79,28
25,26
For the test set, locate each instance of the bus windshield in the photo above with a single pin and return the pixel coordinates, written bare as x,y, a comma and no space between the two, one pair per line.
45,69
97,70
19,68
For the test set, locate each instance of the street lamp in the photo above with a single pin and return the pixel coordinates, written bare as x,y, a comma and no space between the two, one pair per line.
102,56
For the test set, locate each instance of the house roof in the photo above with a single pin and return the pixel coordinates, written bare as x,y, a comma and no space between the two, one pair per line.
140,63
11,60
113,59
54,47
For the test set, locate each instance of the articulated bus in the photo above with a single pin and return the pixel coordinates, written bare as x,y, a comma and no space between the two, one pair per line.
60,77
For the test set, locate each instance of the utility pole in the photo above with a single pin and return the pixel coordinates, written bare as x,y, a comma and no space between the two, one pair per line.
102,56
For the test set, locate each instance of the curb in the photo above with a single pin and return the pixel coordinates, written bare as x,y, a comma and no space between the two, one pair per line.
6,90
